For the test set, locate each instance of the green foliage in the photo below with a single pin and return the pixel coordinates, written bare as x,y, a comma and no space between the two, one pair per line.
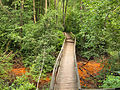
5,67
21,83
40,37
105,77
97,29
111,82
96,26
114,62
10,29
33,42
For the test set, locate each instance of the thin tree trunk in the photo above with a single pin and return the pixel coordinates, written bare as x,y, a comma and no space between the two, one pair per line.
22,4
40,8
63,15
66,7
39,11
21,15
55,3
34,11
49,3
56,8
45,6
1,4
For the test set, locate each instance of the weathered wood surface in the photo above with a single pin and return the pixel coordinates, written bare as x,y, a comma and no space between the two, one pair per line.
66,77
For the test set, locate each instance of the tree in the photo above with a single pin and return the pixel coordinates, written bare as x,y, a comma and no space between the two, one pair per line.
63,14
55,3
34,15
66,10
40,7
21,15
45,6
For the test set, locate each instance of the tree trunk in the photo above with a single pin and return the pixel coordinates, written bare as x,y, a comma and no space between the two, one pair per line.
63,15
55,3
1,3
22,4
56,8
21,15
45,6
40,7
34,11
49,3
66,7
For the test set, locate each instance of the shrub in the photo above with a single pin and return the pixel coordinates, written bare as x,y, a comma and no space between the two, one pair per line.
111,82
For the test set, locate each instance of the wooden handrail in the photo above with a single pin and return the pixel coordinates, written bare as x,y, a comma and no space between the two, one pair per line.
76,69
75,62
56,66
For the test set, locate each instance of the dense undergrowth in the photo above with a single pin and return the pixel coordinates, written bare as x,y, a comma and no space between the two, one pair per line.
96,25
26,45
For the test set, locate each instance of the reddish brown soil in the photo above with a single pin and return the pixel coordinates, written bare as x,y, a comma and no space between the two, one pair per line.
88,70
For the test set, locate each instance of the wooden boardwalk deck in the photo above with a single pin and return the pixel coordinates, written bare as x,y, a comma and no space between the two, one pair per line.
66,77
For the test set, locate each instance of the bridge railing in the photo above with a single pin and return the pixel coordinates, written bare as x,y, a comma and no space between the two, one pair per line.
75,63
56,66
76,69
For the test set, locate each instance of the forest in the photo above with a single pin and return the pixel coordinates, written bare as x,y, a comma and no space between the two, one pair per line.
31,36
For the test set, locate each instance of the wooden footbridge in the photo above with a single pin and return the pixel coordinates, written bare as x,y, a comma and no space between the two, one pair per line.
65,74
